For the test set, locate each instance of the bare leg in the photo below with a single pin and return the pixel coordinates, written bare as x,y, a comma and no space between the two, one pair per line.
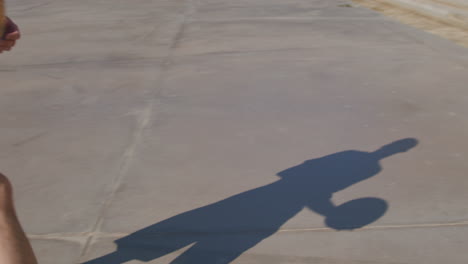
14,245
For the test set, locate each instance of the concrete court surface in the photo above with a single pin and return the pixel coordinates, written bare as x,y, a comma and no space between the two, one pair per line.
222,131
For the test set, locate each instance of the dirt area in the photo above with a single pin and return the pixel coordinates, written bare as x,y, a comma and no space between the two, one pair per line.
440,28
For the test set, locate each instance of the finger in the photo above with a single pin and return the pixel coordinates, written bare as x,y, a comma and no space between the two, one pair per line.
9,46
7,49
4,42
7,43
13,36
10,26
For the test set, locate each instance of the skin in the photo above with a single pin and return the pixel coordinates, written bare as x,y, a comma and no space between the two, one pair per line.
14,245
11,35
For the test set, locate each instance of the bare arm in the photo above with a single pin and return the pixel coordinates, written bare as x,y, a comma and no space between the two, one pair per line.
14,245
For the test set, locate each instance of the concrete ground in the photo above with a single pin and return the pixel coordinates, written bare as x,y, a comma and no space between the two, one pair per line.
234,132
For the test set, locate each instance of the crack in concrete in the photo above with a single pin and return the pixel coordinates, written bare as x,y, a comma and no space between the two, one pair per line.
97,234
144,120
284,18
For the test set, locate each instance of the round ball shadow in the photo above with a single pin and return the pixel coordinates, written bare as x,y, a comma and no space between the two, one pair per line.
356,213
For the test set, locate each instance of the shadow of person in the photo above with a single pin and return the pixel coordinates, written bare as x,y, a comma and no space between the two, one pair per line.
222,231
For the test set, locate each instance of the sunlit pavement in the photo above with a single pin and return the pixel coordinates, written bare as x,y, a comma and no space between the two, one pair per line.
225,131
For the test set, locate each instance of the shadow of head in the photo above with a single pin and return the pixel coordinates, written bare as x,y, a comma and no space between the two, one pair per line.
316,180
361,212
396,147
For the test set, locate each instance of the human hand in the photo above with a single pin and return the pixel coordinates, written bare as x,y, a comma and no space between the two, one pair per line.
11,35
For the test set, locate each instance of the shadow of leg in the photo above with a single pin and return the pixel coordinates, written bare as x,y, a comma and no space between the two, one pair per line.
198,255
143,249
221,249
112,258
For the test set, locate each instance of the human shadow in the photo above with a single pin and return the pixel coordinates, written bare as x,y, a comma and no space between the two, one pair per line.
222,231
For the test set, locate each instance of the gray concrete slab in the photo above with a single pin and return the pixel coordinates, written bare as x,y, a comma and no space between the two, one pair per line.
63,134
225,9
203,37
81,31
53,251
234,126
